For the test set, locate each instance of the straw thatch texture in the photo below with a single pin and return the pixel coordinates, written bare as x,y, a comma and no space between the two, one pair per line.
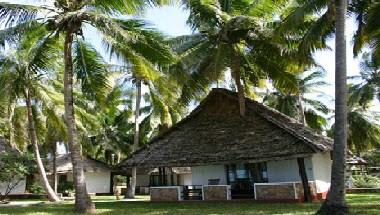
214,133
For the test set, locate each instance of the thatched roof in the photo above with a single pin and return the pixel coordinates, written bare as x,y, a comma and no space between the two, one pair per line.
148,171
64,165
214,133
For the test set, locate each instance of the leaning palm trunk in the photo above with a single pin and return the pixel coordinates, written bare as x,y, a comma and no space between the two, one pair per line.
335,202
33,138
236,75
83,203
132,186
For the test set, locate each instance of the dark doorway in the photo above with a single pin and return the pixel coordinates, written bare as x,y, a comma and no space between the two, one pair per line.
242,177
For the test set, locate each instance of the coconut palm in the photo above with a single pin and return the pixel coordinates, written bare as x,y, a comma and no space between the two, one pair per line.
368,89
308,111
142,62
19,76
68,18
235,36
335,202
317,29
363,126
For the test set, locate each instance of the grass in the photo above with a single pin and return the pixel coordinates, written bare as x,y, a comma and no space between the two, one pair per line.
359,204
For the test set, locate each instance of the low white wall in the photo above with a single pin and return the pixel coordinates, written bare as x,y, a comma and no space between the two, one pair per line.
287,170
322,171
98,182
201,174
19,189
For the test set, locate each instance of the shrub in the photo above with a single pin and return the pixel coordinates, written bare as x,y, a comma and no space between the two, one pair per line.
366,181
14,168
36,189
65,187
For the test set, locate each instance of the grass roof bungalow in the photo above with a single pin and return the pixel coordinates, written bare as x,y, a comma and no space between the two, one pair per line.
97,174
264,155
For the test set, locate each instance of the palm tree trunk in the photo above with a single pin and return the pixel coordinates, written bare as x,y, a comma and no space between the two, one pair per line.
55,175
83,203
335,202
235,70
11,111
301,111
33,138
132,186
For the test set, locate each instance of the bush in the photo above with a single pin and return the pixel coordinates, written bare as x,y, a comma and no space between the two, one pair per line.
65,187
14,168
36,189
366,181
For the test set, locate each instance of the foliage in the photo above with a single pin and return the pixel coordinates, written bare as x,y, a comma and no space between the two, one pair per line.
314,111
366,181
65,187
363,129
238,36
14,168
372,157
36,189
368,89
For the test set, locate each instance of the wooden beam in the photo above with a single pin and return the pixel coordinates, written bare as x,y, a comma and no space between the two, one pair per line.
305,181
171,176
112,183
159,176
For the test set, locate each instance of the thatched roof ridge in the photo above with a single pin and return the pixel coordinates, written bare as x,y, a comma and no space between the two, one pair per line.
64,165
262,135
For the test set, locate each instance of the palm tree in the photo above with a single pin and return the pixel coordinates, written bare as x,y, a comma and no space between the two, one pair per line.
316,31
368,88
296,105
68,17
19,77
336,202
144,67
363,127
233,35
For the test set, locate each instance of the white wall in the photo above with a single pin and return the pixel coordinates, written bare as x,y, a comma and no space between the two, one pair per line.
98,182
185,179
287,170
201,174
322,171
19,189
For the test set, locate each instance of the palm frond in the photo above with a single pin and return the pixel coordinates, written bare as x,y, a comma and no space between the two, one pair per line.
90,70
11,14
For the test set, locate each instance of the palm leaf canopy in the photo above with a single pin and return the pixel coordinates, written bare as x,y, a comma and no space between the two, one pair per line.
229,28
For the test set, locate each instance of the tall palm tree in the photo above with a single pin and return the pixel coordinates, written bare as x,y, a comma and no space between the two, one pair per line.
336,202
296,105
233,35
330,14
68,18
144,68
19,77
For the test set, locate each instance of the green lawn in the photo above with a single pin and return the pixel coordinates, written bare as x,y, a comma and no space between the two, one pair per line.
359,204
